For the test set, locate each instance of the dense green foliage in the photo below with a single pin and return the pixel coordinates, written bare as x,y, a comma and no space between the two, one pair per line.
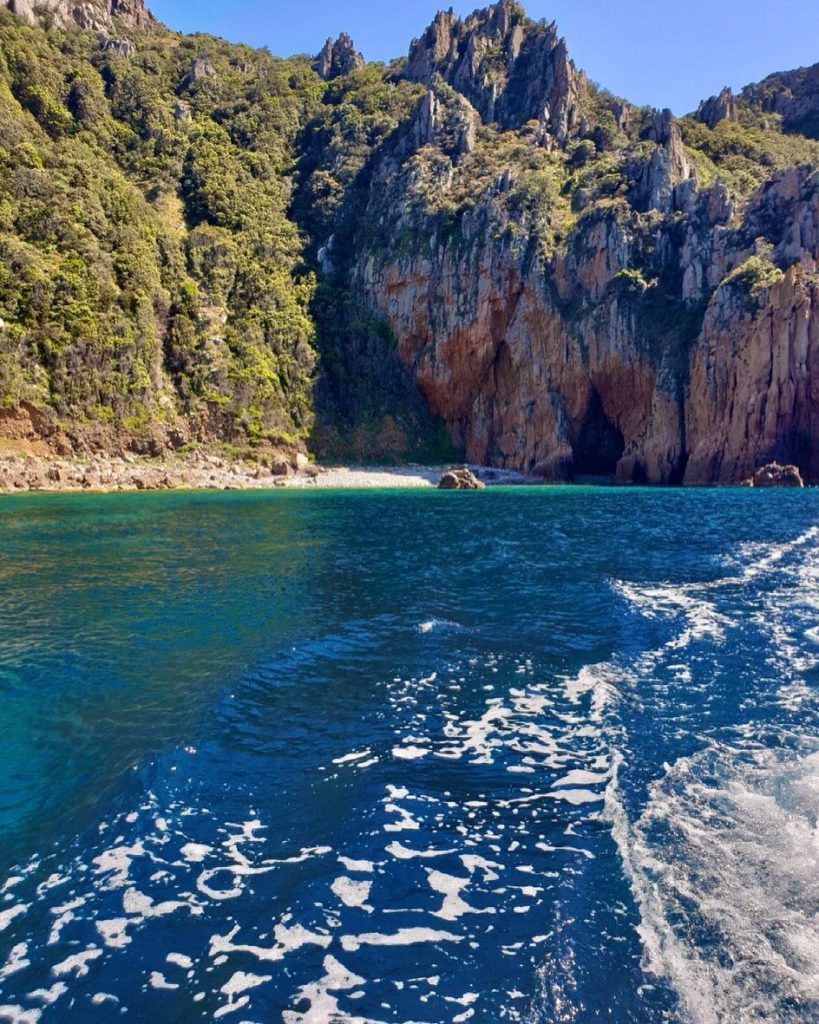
148,266
746,152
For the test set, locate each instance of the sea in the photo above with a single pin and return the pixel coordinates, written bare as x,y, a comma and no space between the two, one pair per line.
528,755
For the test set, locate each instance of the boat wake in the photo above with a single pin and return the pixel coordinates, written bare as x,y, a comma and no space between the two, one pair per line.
724,866
416,819
723,854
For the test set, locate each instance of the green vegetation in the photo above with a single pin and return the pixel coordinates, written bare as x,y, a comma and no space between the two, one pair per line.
367,404
148,266
633,281
754,275
745,152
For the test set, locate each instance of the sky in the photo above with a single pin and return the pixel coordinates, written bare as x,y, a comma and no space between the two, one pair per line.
662,53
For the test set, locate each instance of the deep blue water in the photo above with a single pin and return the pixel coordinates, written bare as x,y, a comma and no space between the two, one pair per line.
521,755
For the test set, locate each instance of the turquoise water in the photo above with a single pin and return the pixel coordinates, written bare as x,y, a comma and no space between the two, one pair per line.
520,755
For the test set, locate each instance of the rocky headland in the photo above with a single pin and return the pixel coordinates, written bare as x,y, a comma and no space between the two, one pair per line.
471,252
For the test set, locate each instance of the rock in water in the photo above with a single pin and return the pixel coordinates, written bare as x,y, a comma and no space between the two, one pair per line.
460,480
775,475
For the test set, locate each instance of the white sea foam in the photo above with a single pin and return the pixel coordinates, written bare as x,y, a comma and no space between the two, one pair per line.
17,1015
358,755
409,753
431,624
286,938
576,796
179,960
580,777
64,915
16,961
488,868
195,853
352,893
7,916
401,852
701,618
403,937
234,988
724,864
240,866
77,963
323,1005
405,822
158,981
450,887
114,932
49,996
139,905
362,866
115,864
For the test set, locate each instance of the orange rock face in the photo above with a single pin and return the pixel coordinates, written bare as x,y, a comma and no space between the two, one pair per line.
754,393
580,366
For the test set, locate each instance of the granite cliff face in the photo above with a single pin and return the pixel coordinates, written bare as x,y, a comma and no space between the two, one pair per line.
576,288
99,15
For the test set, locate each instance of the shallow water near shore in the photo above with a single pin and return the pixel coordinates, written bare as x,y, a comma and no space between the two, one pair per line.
528,754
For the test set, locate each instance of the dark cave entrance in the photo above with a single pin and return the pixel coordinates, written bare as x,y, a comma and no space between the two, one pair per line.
599,445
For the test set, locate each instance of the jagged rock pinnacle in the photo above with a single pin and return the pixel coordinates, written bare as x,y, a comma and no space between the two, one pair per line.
338,58
510,68
718,108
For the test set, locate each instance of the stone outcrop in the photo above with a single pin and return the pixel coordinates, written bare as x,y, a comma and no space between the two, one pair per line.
460,480
338,57
775,475
718,108
124,48
657,181
754,390
509,68
451,126
661,344
793,95
201,70
99,15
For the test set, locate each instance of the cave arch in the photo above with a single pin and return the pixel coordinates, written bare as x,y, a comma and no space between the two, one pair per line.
597,445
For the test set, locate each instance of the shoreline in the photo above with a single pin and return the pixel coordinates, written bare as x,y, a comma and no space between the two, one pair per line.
25,472
33,474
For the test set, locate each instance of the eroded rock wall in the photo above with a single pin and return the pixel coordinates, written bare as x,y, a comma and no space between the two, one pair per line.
574,366
88,14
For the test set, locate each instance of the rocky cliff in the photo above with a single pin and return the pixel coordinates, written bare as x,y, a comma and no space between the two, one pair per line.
99,15
583,288
476,235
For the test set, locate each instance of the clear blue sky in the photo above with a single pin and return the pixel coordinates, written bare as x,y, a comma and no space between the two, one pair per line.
666,53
